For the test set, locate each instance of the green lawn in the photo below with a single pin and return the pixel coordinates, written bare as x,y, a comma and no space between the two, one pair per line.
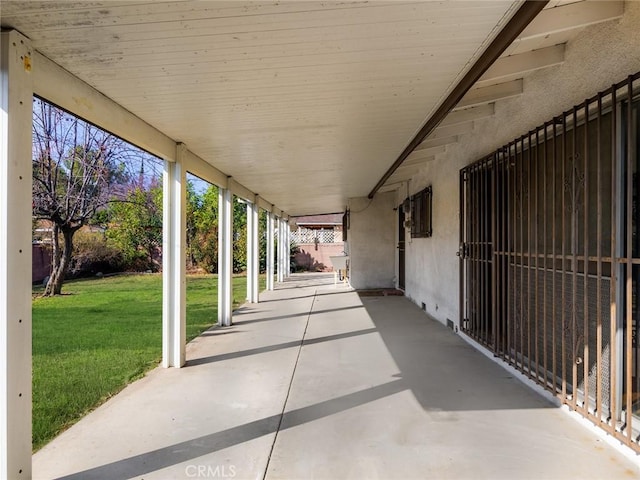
103,333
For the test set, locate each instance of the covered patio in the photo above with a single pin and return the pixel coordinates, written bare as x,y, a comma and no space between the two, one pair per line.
318,382
450,135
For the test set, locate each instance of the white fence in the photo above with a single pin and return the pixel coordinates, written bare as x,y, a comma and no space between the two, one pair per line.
306,235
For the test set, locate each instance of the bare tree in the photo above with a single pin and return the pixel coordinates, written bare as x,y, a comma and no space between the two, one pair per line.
77,170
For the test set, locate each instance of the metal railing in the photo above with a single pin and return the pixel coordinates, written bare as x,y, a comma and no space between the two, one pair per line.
550,256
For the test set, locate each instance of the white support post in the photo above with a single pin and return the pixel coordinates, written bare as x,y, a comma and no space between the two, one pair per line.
250,258
225,257
255,253
270,250
16,99
287,255
174,310
280,269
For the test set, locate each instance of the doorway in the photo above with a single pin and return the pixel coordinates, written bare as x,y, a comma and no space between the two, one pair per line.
401,248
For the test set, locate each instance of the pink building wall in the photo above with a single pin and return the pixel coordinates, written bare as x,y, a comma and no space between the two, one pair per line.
317,260
41,266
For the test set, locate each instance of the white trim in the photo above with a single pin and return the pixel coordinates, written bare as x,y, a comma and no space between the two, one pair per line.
499,91
16,103
204,170
280,261
270,250
58,86
287,248
225,257
256,249
468,114
253,252
523,63
571,16
174,258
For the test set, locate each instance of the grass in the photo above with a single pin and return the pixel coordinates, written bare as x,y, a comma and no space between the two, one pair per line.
102,334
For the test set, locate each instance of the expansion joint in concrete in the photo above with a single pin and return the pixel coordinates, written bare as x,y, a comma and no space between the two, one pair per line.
293,374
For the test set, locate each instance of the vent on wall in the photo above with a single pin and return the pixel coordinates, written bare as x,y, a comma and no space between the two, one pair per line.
449,323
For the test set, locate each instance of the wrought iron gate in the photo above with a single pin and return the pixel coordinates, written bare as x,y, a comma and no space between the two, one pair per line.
550,256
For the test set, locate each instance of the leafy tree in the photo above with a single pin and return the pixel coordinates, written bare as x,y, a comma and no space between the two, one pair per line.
135,226
77,170
262,244
194,203
202,230
239,236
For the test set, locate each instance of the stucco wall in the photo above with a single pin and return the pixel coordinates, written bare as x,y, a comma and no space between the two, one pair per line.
315,258
371,241
599,56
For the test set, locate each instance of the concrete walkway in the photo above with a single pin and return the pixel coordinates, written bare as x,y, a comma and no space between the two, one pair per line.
316,382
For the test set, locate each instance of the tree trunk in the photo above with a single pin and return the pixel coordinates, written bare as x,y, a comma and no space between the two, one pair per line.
61,260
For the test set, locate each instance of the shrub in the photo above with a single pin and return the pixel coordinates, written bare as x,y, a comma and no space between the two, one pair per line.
92,254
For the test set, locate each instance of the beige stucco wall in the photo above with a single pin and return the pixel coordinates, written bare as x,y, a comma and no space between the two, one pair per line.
371,241
600,56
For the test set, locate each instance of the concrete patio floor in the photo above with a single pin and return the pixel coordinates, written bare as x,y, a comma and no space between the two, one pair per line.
316,382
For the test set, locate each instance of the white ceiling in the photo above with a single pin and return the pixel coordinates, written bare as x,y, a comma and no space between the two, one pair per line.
540,45
306,103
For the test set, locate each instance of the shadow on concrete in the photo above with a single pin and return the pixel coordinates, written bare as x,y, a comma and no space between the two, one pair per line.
302,280
319,294
270,348
294,315
197,447
443,371
217,331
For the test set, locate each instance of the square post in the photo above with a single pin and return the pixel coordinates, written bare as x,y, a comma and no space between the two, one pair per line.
287,246
225,257
270,250
250,251
255,251
16,114
280,269
174,310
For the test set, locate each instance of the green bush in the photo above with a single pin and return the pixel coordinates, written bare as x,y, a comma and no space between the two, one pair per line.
93,254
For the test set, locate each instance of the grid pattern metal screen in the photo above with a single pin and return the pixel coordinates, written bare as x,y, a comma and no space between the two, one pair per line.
550,256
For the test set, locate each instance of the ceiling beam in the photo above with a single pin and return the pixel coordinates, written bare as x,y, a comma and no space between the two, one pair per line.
58,86
491,93
401,176
436,142
451,130
468,114
523,63
204,170
390,187
525,14
429,151
417,160
571,16
409,168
